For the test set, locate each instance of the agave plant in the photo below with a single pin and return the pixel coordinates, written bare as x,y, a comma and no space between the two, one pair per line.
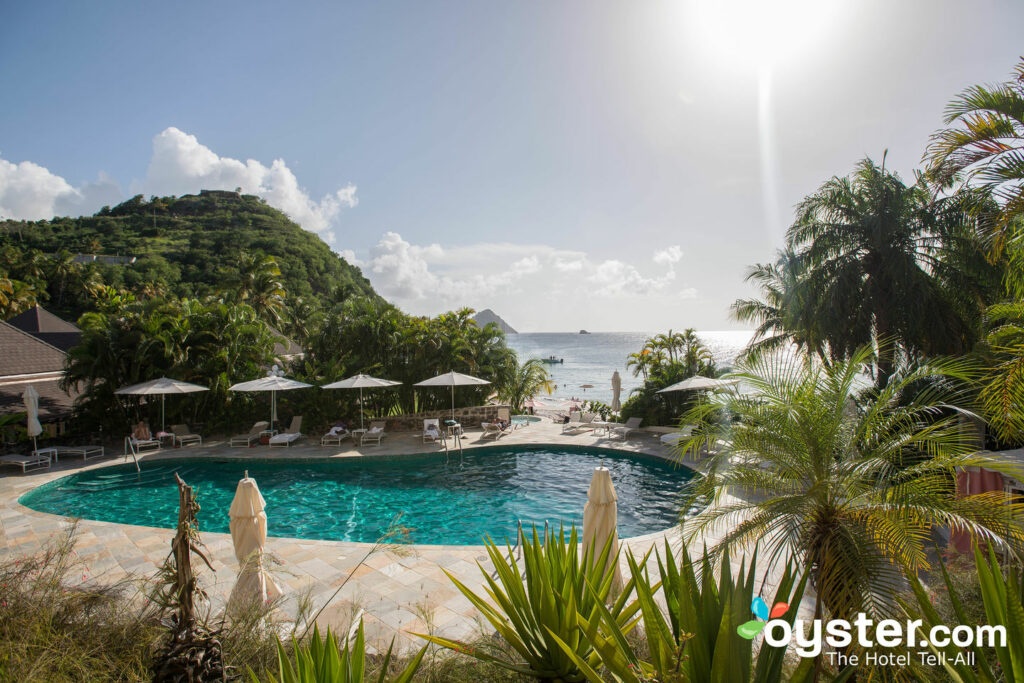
1002,592
322,661
538,611
708,633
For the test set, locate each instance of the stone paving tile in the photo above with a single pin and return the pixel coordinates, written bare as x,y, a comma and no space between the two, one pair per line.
400,590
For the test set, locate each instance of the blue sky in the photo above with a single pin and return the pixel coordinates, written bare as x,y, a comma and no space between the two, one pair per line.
570,164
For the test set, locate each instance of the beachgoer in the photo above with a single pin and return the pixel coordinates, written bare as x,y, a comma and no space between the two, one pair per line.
338,428
141,432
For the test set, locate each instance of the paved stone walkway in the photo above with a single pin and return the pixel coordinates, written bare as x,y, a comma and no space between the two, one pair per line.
398,590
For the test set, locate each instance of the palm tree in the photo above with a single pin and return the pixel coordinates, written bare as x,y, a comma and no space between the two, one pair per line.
984,147
849,482
869,248
783,314
257,284
527,380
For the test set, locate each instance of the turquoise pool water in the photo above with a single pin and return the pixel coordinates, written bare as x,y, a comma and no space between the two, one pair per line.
442,501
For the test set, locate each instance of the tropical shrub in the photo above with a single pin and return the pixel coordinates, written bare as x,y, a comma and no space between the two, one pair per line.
709,632
538,611
323,660
848,481
1002,593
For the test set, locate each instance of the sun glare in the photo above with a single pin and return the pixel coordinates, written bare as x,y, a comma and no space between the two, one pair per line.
763,33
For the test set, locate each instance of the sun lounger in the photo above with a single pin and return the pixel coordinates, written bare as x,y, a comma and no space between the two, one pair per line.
133,445
289,436
493,430
375,433
578,422
85,451
632,425
432,430
183,436
27,463
246,440
335,436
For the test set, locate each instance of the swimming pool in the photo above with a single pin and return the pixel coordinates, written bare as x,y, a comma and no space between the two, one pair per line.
442,500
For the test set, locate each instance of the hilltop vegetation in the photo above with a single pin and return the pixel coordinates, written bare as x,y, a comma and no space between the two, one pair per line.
190,246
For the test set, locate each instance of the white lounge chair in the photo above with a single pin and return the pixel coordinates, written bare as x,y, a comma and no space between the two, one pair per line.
578,422
432,430
133,445
493,430
632,425
289,436
182,435
375,433
246,440
335,436
85,451
27,463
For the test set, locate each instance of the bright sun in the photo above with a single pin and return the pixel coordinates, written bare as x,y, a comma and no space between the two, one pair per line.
763,33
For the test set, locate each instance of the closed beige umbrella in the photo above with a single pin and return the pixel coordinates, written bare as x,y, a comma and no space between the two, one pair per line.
600,521
249,535
616,390
32,426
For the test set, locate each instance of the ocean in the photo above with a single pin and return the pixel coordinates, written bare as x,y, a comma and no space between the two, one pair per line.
592,358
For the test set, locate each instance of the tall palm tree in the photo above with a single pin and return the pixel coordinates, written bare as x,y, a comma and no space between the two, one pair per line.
258,285
527,379
983,146
869,248
850,482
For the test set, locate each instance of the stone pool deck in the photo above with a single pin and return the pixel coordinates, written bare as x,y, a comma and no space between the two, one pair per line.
398,589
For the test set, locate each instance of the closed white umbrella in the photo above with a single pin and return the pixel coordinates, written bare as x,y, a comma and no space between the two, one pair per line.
452,379
360,382
600,521
32,426
161,386
616,390
697,383
249,536
272,383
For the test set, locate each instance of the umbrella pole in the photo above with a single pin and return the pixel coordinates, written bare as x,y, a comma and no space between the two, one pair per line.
163,413
453,403
361,416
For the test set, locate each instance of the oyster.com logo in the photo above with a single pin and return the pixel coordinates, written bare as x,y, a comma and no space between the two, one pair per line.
760,609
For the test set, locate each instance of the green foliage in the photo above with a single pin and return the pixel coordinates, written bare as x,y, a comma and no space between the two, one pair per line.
664,360
1003,390
189,246
375,338
524,381
538,611
1002,592
872,260
849,481
209,343
700,640
321,660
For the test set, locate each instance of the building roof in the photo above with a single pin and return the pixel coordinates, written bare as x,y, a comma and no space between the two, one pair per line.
24,354
288,349
44,325
54,402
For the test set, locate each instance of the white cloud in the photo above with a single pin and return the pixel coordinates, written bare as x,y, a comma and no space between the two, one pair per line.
508,277
181,165
669,255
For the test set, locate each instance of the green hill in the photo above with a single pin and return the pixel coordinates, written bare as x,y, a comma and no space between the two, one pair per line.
191,244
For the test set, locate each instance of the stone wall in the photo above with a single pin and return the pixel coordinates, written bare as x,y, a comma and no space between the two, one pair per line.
469,417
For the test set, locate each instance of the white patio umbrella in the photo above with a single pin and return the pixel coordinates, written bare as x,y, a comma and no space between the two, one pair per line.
249,536
272,383
600,521
360,382
452,379
697,382
161,386
32,426
616,390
